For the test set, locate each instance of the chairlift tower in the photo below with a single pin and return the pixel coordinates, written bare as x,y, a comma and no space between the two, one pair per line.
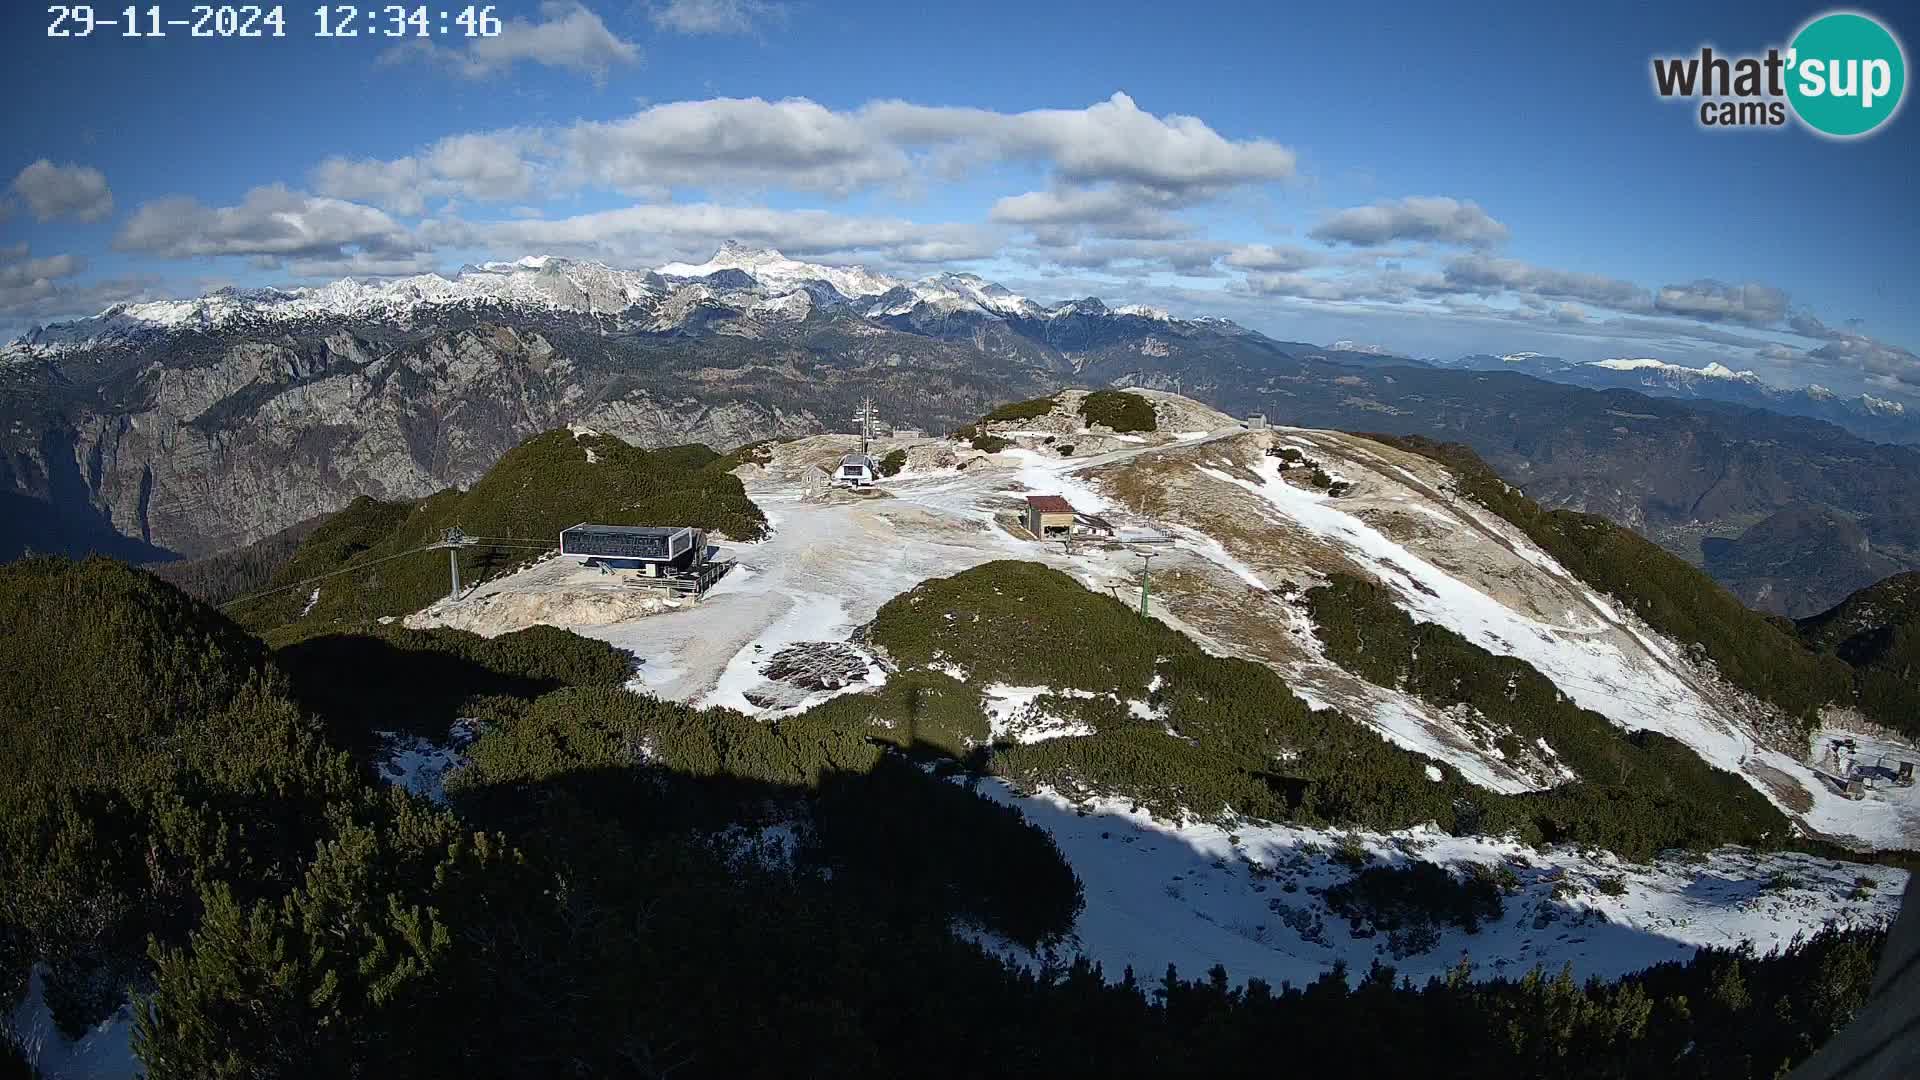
453,540
1146,565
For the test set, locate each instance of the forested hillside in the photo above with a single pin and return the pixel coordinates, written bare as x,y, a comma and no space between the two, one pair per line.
1876,631
626,887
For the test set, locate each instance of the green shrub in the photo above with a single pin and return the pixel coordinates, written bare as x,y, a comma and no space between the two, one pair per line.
893,462
991,444
419,680
1416,896
1118,410
1021,410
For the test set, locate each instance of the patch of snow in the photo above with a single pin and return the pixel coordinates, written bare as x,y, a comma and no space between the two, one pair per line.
103,1052
1434,774
1247,896
1013,713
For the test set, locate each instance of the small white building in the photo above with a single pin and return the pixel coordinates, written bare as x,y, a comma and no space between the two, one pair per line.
856,471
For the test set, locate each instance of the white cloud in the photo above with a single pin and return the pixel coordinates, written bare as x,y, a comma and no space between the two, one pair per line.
270,221
648,235
1485,275
1111,141
489,167
1421,218
1100,156
1716,301
37,290
1112,211
567,35
1284,258
399,185
1191,258
19,270
732,143
716,16
64,191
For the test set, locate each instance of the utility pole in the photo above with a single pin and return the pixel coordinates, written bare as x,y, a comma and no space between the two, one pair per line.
1145,592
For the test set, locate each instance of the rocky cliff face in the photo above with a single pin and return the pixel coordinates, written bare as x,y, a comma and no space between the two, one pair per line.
209,454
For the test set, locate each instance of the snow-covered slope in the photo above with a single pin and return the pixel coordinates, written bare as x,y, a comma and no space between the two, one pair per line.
1714,370
775,271
1454,564
538,282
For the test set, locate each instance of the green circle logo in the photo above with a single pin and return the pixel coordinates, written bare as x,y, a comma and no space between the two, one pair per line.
1846,73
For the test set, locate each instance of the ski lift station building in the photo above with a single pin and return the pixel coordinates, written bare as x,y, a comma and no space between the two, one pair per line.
649,548
856,470
1049,517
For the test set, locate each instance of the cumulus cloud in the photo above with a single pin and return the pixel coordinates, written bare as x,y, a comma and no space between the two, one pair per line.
1118,212
54,192
269,221
1114,140
1190,258
1486,275
1395,286
20,270
731,143
1435,219
716,16
1098,158
568,35
643,235
1267,257
399,185
1880,362
489,167
1717,301
42,289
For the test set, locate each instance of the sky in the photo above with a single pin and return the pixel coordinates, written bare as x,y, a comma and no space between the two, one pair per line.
1431,179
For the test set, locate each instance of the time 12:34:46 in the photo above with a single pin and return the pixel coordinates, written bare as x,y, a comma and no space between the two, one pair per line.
395,20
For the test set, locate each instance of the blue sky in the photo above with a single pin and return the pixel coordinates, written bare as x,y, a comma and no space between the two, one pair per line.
1425,177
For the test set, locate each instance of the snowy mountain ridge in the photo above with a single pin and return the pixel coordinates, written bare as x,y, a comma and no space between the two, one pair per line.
1713,370
757,283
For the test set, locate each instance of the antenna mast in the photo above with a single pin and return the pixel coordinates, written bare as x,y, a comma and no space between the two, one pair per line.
866,419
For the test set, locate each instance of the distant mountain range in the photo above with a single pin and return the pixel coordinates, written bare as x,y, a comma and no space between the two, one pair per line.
1870,417
192,426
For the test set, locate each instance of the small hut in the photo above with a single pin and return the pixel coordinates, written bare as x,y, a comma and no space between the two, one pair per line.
1049,517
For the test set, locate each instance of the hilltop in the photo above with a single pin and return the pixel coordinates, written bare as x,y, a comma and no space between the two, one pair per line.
544,485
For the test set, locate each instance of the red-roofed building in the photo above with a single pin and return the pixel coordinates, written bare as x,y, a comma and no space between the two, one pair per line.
1049,517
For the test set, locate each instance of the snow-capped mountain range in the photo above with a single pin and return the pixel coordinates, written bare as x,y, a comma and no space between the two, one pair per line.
756,283
1879,419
